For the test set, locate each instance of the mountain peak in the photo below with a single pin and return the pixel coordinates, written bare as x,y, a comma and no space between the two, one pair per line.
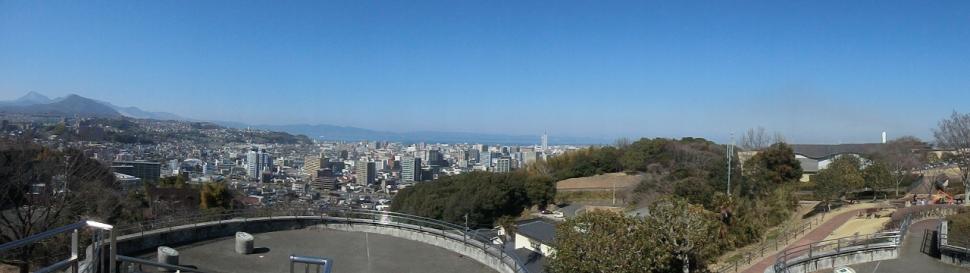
33,98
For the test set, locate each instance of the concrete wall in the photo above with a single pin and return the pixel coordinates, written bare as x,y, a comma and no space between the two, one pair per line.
450,241
951,254
957,258
134,244
847,258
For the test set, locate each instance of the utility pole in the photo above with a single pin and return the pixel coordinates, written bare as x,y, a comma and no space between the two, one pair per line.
730,156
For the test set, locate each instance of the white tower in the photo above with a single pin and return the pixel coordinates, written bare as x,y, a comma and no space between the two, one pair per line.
545,142
883,137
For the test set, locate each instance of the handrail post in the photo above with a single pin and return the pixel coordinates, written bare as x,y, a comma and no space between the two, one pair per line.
74,243
112,257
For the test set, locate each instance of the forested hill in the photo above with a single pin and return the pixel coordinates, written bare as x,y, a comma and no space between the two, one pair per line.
691,170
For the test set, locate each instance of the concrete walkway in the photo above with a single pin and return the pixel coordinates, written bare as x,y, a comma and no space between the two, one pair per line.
819,233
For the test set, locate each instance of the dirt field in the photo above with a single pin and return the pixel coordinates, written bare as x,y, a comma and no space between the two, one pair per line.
599,182
859,226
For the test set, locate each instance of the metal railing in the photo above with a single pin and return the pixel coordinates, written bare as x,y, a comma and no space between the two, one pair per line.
427,225
894,238
323,265
450,231
72,262
768,246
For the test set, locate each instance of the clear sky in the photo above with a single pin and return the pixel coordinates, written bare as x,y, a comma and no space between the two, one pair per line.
816,71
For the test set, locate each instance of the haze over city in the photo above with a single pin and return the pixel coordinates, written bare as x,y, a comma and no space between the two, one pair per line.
824,72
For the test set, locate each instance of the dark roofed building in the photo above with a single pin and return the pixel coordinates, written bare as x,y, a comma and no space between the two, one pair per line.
826,151
815,157
537,235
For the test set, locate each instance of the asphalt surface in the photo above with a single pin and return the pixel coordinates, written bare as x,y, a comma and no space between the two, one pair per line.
350,252
911,258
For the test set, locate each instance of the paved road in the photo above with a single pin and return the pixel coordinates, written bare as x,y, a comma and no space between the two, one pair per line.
911,259
815,235
350,251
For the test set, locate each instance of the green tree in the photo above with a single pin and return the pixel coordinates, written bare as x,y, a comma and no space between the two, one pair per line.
687,231
877,177
841,176
215,195
900,157
604,241
769,169
541,190
483,196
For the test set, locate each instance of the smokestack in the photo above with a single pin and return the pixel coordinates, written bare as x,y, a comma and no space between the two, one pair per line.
883,137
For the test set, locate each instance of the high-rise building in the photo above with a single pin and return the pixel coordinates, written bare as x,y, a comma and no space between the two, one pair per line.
257,162
504,165
473,155
366,172
545,142
530,157
311,164
435,158
325,180
410,169
485,158
144,170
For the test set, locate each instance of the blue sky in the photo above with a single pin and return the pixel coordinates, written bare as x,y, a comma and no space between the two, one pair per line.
816,71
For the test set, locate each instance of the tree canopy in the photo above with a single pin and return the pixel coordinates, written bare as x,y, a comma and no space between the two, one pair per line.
483,196
675,237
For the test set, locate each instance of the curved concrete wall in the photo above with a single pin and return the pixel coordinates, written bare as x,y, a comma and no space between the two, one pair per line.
842,259
143,242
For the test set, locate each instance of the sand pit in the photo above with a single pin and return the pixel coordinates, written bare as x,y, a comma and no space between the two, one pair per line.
863,226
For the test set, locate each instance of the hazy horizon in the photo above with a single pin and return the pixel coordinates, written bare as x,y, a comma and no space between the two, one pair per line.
816,72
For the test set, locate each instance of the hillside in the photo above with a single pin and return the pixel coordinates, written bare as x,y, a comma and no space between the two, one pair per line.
69,106
620,181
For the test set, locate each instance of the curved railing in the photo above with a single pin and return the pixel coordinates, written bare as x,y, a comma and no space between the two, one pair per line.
892,239
426,225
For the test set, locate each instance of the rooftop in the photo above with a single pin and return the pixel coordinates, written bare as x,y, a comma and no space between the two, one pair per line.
538,229
350,251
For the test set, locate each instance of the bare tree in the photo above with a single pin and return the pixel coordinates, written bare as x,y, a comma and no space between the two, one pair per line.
758,139
954,133
901,156
39,190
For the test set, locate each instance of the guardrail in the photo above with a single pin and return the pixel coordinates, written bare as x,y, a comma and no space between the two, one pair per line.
72,262
885,240
435,227
767,246
323,265
426,225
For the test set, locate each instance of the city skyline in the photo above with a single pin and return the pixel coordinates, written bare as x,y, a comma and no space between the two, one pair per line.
821,72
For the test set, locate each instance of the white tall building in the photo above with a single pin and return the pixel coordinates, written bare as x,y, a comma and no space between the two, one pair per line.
410,169
256,162
545,142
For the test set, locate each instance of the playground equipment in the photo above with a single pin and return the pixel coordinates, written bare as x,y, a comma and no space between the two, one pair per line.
941,196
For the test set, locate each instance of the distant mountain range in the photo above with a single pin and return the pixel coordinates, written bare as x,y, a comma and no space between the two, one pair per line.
71,105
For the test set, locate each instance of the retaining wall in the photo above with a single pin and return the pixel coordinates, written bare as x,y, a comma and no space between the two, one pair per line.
842,259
